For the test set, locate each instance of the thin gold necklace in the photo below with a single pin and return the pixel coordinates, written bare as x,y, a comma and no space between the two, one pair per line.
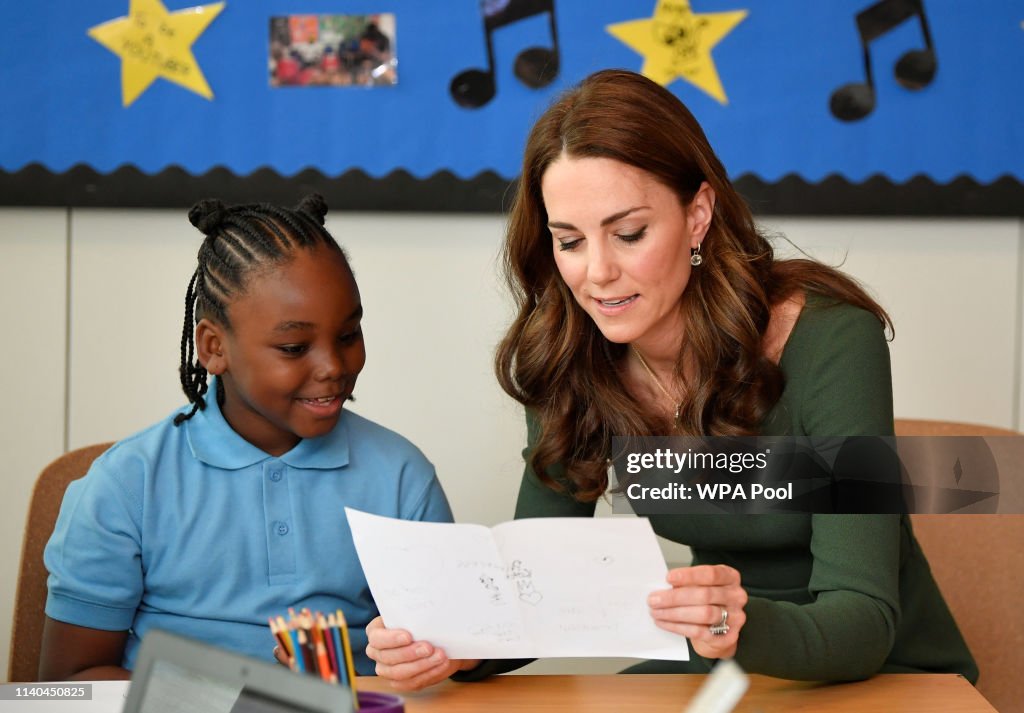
657,381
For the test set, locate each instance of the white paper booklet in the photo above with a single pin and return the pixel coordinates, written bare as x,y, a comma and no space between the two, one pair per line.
522,589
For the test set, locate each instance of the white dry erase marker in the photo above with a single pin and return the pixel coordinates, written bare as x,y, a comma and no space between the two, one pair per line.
722,689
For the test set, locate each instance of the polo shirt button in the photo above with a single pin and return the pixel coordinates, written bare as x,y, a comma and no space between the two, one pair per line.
282,528
275,476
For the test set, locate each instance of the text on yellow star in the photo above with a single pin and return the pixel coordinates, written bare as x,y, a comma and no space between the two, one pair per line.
153,42
676,42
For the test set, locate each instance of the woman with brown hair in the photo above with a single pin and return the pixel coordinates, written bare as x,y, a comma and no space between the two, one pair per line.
650,304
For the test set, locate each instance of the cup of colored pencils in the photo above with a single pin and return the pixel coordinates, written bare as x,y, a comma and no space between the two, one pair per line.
319,644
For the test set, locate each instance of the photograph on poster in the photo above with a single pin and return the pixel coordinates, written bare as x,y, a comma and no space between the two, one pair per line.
333,51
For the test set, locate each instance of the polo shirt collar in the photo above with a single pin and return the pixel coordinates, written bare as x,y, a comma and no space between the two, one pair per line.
215,443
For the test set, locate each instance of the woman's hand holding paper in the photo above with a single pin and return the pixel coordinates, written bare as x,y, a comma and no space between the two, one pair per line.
706,605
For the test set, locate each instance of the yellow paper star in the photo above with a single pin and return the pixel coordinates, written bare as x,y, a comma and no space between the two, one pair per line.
152,42
676,42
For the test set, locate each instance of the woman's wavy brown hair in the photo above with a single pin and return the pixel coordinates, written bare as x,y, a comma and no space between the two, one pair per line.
555,361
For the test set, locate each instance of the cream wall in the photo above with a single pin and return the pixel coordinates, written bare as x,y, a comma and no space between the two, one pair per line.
92,305
33,279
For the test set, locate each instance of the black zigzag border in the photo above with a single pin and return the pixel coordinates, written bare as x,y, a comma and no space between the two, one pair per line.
443,192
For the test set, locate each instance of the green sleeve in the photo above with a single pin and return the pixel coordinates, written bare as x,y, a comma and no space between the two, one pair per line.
838,373
838,369
848,629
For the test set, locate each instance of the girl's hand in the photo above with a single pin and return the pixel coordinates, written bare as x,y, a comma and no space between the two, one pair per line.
409,665
695,603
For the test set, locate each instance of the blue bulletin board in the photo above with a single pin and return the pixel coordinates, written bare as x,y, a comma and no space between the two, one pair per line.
846,106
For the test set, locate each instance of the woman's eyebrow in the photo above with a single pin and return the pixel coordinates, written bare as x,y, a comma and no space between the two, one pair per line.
610,219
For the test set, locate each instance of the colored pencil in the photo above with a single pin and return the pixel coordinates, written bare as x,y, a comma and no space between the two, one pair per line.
296,651
305,657
322,662
349,664
278,636
329,642
332,622
285,633
283,641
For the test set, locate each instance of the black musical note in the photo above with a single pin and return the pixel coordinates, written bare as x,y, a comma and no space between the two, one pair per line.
914,70
535,67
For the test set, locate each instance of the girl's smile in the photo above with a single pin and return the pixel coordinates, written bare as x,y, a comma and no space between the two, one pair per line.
325,406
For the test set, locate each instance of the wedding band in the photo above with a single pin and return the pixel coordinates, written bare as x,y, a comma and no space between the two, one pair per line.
722,627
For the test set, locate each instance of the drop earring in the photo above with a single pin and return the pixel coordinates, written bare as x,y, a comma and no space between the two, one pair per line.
695,258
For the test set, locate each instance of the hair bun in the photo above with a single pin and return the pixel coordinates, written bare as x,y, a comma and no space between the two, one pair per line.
208,215
315,206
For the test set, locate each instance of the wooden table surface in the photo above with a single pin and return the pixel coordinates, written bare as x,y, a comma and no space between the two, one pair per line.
885,693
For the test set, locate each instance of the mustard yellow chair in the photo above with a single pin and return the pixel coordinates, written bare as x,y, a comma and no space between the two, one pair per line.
30,596
978,562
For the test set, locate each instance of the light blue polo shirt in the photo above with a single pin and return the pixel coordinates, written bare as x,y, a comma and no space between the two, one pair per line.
194,530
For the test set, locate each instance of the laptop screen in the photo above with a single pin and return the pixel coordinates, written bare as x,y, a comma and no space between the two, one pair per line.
177,675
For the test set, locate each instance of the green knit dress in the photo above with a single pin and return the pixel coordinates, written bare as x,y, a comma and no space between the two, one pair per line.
832,597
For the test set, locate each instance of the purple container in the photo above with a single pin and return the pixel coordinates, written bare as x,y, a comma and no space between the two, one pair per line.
380,702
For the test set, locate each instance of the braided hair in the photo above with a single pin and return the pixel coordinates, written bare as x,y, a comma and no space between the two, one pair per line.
239,240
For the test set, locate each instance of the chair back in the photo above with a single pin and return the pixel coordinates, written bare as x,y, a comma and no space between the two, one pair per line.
30,595
978,562
922,427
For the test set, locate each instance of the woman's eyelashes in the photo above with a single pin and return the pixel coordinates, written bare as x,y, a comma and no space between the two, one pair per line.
632,237
568,245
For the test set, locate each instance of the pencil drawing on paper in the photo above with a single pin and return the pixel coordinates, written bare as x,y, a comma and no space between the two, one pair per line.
524,583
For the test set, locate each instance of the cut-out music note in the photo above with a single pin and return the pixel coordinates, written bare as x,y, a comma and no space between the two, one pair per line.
535,67
914,70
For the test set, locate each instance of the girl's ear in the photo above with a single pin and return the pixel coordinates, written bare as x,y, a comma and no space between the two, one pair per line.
700,211
210,344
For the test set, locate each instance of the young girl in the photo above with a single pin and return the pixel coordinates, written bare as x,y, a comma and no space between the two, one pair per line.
231,511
